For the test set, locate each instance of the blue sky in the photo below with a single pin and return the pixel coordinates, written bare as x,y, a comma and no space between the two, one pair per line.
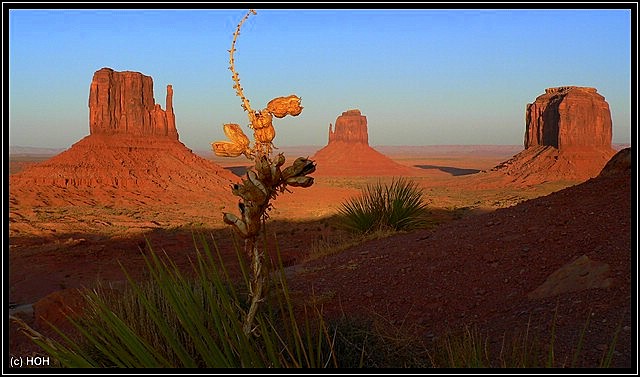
420,76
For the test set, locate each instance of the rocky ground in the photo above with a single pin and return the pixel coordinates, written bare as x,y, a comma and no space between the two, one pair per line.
566,255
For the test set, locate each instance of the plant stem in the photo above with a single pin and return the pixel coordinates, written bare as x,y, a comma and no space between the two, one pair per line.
256,286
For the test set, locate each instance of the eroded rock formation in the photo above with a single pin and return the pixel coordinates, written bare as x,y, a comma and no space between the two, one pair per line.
123,103
351,127
348,152
567,117
132,152
567,137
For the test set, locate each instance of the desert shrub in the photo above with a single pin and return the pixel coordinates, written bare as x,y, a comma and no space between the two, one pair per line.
175,321
397,206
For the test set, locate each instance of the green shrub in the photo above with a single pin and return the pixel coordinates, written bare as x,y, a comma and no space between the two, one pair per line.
397,206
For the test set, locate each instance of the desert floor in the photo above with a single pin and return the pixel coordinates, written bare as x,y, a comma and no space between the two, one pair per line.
489,247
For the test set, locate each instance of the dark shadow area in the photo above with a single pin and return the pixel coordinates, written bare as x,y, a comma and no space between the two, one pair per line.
450,169
238,170
40,265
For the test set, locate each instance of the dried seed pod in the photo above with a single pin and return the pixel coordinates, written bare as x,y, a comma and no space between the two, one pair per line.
262,119
264,135
275,175
262,168
248,191
253,178
251,216
240,226
238,145
226,149
301,166
283,106
235,134
304,166
300,181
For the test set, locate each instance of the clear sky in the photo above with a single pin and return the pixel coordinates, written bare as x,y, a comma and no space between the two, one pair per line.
420,76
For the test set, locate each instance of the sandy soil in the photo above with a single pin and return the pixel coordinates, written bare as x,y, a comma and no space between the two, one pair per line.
495,246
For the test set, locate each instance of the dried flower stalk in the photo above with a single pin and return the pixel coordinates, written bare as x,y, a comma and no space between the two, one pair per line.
262,182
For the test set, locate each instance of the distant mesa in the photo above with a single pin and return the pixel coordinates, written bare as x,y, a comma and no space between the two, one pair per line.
567,137
348,152
132,148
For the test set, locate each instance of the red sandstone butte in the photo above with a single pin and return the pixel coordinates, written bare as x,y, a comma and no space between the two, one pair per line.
348,152
123,103
351,128
568,117
132,152
567,137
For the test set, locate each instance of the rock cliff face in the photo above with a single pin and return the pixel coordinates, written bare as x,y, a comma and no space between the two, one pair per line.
132,154
568,117
567,137
351,127
348,152
123,103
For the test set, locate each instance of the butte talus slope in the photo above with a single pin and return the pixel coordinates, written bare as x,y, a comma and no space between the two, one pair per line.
348,152
132,154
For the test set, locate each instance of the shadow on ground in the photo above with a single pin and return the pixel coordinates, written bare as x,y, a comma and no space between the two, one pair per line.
238,170
41,265
450,169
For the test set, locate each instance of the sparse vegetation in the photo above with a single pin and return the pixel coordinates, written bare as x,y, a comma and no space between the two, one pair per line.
175,321
397,206
469,348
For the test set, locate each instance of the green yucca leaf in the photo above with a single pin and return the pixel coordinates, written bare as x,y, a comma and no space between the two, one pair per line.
163,327
174,321
398,206
117,341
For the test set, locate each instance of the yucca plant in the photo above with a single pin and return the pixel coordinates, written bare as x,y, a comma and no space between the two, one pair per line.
397,206
264,181
177,321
